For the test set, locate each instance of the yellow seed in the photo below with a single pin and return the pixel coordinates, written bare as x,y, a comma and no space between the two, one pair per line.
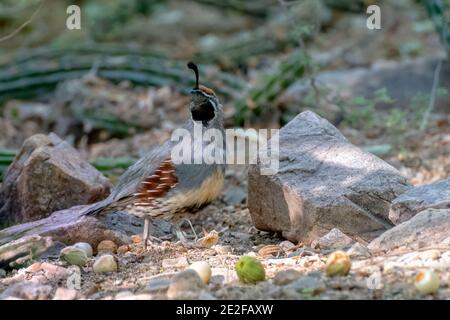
203,270
426,282
338,264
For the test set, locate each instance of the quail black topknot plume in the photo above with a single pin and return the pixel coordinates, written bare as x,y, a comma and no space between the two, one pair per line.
156,187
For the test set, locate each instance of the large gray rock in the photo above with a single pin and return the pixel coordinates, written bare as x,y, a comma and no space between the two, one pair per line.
48,175
435,195
323,182
428,228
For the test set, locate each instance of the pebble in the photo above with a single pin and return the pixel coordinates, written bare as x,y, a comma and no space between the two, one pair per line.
2,273
54,272
39,279
86,247
105,263
287,245
185,285
35,267
223,275
106,246
176,263
286,276
335,239
157,285
359,250
234,196
28,291
128,258
65,294
240,235
308,284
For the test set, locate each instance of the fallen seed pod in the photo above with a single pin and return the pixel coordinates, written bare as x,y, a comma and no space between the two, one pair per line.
270,250
203,270
74,256
338,264
426,282
210,239
250,270
86,247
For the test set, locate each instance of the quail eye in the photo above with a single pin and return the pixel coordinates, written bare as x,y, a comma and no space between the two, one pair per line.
203,112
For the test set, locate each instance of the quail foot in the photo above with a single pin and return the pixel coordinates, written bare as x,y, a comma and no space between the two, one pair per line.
159,185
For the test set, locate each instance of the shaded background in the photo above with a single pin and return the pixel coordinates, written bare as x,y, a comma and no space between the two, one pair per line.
119,85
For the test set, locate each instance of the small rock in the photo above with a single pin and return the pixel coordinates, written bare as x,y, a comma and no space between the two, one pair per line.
157,285
54,272
176,263
28,291
234,196
223,275
335,239
2,273
286,276
358,250
427,228
287,245
74,256
86,247
185,285
435,195
240,235
123,249
106,246
206,296
65,294
128,258
105,263
51,175
35,267
308,285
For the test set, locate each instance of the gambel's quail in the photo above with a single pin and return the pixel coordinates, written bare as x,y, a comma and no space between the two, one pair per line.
158,187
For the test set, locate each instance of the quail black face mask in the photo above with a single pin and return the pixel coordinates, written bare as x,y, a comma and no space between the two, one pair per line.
203,112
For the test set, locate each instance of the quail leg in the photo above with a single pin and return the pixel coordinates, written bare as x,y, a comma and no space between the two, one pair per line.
192,228
146,232
181,235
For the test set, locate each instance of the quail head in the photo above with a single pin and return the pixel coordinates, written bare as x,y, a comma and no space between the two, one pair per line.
156,186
